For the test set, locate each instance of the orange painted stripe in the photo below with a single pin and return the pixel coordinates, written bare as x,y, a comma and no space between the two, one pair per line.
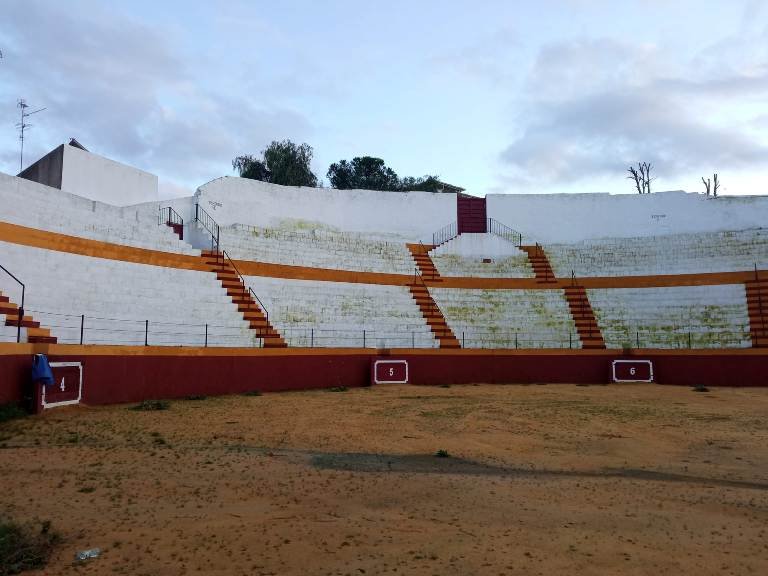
11,349
86,247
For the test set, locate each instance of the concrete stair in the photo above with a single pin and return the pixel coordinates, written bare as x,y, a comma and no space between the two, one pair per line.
540,263
420,255
248,307
35,334
584,318
757,308
433,316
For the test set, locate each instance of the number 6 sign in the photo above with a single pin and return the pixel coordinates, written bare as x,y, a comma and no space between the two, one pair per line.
632,371
390,372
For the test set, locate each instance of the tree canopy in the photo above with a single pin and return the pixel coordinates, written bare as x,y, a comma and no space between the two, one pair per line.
369,173
281,163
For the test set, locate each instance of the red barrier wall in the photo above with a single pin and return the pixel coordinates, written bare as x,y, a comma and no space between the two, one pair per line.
111,379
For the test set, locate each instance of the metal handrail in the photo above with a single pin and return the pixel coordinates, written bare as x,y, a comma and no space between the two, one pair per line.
447,232
172,218
503,231
417,274
209,224
21,308
224,255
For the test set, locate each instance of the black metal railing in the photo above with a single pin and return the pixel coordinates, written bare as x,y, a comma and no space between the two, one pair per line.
445,233
21,306
169,216
92,328
224,257
504,231
418,278
207,221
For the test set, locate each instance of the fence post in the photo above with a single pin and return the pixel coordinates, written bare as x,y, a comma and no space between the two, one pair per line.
515,340
689,338
311,337
363,338
462,339
638,338
570,339
413,340
21,321
146,332
82,327
206,335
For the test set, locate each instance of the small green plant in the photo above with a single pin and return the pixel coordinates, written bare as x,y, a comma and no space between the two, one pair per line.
442,453
338,389
11,412
197,397
700,388
252,393
150,405
445,385
25,548
87,489
626,348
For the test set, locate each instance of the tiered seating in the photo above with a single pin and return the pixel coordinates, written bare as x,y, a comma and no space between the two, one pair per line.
481,256
311,313
516,266
117,298
713,316
671,254
508,318
317,249
36,206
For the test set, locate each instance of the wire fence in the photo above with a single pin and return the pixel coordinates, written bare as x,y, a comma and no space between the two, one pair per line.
93,329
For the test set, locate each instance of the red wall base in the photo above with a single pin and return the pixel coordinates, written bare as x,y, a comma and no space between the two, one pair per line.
130,378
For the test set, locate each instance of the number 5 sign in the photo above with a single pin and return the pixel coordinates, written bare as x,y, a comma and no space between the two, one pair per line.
632,371
390,372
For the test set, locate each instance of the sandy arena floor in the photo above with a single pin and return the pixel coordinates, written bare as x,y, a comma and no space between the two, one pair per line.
540,480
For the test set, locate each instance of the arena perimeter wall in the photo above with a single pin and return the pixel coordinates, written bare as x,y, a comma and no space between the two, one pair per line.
129,374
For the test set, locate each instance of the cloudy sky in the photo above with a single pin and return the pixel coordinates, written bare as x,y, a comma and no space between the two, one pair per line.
496,96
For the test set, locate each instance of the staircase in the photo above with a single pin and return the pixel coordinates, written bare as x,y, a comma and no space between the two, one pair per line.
432,315
420,254
232,282
757,307
35,334
540,263
584,318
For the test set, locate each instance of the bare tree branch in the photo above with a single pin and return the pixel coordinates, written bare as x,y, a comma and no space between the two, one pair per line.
635,175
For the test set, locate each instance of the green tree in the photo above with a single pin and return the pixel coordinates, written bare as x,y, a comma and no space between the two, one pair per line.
423,184
369,173
283,163
364,172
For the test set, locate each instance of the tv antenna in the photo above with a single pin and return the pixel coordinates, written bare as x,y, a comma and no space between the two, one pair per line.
23,126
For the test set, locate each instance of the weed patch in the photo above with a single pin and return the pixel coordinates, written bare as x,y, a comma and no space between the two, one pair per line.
11,412
25,548
151,405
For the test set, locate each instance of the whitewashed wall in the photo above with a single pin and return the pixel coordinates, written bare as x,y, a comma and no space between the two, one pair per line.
98,178
411,215
550,218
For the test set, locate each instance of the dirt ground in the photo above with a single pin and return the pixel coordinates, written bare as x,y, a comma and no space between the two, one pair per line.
558,479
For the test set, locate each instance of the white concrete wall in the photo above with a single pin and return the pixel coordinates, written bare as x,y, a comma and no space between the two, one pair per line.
105,180
405,215
551,218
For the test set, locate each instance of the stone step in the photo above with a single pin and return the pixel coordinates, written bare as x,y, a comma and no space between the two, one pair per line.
26,322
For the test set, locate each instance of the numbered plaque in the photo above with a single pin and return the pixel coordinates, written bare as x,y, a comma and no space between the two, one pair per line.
67,385
632,371
390,372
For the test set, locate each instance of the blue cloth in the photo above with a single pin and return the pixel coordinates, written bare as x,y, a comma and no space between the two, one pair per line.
41,370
